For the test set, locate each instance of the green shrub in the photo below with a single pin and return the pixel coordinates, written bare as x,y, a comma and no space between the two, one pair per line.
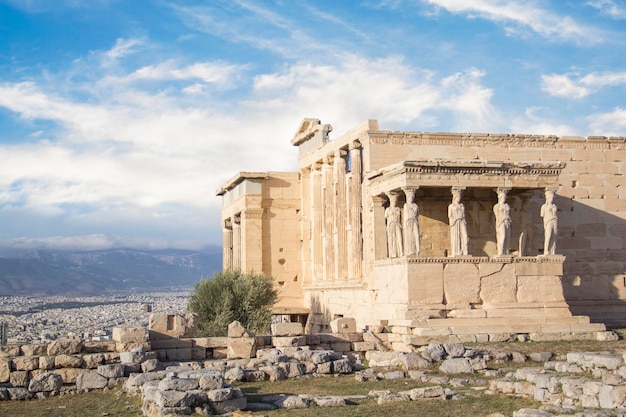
233,295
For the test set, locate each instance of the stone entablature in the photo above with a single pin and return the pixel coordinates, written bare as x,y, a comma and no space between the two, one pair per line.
498,140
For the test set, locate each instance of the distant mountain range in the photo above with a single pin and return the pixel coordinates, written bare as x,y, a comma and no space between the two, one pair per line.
42,272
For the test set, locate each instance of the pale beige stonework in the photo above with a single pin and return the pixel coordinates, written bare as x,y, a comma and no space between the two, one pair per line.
322,232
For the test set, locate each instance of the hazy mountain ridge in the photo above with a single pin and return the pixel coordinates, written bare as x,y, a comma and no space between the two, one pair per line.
64,272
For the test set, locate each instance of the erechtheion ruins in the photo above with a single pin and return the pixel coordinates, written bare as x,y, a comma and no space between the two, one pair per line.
443,232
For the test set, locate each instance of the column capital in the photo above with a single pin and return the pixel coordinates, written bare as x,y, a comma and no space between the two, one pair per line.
355,145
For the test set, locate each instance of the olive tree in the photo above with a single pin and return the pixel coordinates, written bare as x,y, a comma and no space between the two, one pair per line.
233,295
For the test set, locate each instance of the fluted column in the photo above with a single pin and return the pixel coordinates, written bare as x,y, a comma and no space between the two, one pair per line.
341,222
329,221
356,214
227,245
317,211
236,242
306,225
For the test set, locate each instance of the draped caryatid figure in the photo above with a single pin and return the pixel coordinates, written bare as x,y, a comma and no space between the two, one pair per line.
502,212
550,224
394,228
411,224
458,225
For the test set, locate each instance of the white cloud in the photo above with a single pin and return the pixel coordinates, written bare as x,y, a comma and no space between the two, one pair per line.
575,86
609,124
122,48
562,86
610,8
209,72
522,14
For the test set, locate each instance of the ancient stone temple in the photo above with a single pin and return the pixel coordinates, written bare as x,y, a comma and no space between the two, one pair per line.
447,232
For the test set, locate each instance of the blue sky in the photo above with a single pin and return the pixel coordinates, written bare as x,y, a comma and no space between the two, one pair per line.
120,119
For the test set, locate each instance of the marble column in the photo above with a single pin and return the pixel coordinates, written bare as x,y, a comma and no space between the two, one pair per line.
329,222
236,242
356,214
317,211
341,215
227,245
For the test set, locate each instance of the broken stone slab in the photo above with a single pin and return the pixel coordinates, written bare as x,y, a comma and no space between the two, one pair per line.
541,356
177,384
229,406
426,392
46,382
389,397
236,329
90,380
18,393
530,412
211,380
241,348
111,371
456,366
46,363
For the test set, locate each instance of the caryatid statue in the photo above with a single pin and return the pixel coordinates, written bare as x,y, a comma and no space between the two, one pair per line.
411,224
550,224
458,225
502,212
394,227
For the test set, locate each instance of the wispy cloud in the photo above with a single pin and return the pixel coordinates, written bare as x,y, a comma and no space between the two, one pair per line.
609,124
209,72
576,86
122,48
517,16
609,8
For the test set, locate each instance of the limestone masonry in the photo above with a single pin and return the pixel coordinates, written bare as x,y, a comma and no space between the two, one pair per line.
440,234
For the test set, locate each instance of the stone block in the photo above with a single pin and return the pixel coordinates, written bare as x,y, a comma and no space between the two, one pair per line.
45,362
34,350
69,375
46,382
164,326
130,334
241,348
236,329
343,325
111,371
171,343
128,346
99,346
65,347
89,380
67,361
19,378
288,341
363,346
286,329
461,283
136,355
210,342
25,363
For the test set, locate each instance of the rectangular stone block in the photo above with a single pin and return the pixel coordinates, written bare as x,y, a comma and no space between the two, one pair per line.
343,325
287,341
171,343
312,339
129,334
363,346
210,342
286,329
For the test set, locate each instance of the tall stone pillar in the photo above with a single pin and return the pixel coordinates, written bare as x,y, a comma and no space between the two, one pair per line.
356,214
317,216
236,221
329,220
341,214
380,228
227,245
306,225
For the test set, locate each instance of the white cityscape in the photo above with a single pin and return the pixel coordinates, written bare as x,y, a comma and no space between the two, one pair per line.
42,319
